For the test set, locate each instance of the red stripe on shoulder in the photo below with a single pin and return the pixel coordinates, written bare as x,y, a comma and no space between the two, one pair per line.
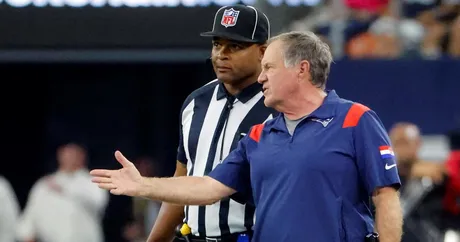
256,132
354,114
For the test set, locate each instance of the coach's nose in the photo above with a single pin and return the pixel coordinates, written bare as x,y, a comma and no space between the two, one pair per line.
262,77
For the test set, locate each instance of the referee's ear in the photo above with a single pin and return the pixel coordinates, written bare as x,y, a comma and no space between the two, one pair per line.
262,48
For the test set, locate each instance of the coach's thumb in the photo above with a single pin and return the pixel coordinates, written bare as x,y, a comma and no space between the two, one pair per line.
122,159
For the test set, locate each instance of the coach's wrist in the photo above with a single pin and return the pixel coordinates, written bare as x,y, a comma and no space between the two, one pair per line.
144,187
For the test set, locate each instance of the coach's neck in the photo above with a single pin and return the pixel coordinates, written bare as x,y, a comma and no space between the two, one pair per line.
302,102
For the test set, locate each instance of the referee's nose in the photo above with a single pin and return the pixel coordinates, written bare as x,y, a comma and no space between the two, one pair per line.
221,54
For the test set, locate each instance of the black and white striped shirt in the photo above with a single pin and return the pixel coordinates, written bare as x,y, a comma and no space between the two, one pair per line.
208,116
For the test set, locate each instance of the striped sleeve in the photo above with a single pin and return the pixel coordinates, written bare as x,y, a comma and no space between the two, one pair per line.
181,156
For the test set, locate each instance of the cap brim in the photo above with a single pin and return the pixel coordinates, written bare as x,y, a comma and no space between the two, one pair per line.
229,36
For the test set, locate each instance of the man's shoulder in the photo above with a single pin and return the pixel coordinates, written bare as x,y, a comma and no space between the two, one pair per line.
257,130
268,123
208,87
351,112
345,106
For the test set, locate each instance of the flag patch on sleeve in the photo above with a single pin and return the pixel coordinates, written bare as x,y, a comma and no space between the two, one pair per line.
386,152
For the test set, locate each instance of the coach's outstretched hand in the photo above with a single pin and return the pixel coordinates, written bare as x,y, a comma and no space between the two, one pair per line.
125,181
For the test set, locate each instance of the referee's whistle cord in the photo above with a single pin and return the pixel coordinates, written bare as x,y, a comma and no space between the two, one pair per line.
229,107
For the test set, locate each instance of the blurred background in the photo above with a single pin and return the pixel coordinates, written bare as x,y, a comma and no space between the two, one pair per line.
83,78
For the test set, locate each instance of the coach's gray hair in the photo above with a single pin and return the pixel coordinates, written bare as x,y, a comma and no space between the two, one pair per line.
299,46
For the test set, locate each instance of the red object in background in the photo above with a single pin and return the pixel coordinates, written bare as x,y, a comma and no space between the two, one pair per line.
452,197
369,5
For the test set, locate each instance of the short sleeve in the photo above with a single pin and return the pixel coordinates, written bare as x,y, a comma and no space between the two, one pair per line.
181,157
234,172
374,155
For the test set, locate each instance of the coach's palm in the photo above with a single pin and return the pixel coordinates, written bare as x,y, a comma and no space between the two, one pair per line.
125,181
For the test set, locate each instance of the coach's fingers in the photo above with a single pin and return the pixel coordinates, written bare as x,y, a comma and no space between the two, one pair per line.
101,173
115,192
101,180
122,159
106,186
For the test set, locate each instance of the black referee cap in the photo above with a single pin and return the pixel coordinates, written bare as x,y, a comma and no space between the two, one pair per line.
241,23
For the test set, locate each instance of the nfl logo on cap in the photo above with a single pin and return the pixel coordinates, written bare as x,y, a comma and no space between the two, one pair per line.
229,17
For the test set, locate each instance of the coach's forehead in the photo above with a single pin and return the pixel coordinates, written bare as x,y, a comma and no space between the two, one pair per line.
273,53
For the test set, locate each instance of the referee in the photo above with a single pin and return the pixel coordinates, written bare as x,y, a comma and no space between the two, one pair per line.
214,118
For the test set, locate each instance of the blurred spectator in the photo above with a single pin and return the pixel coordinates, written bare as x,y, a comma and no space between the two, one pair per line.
380,39
423,189
417,182
406,141
145,211
9,211
411,34
66,205
454,44
436,17
387,28
373,45
284,12
452,198
356,17
369,6
322,15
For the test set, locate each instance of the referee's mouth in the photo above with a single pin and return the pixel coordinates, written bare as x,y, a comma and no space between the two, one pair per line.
223,68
